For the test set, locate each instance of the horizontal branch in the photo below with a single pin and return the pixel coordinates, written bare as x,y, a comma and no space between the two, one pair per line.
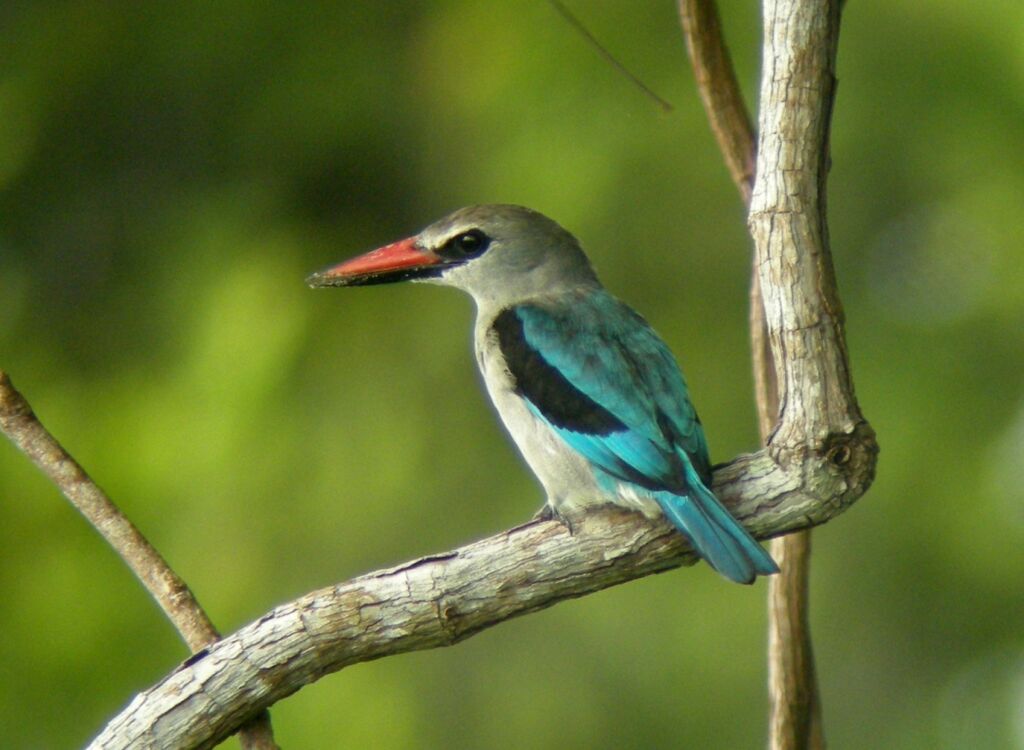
440,600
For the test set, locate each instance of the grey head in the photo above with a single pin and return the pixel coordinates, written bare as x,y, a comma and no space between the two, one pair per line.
497,253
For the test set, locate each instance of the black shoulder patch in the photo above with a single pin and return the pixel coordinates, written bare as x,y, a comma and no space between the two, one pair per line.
545,387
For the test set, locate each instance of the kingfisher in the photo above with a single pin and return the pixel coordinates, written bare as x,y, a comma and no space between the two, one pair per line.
591,395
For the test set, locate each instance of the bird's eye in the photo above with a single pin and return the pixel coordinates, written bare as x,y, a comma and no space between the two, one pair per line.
468,244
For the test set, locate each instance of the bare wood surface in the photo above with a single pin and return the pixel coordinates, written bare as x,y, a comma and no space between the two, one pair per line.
19,423
788,223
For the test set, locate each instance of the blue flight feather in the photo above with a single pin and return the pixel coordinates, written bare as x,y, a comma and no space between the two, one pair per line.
598,375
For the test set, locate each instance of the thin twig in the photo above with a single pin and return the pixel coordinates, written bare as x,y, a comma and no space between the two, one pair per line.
719,90
20,424
792,679
796,704
608,56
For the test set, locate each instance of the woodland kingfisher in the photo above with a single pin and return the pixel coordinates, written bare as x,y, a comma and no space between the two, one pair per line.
591,395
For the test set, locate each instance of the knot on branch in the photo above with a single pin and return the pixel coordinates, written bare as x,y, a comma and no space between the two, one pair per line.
842,465
806,482
852,456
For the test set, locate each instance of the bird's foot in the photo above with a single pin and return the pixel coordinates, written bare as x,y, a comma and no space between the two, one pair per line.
548,513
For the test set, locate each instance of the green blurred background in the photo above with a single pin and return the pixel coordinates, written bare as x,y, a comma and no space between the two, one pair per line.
170,172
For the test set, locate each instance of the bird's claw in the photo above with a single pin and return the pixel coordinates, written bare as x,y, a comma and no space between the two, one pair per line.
548,513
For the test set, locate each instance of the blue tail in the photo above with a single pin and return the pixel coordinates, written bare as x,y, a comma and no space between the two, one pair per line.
716,535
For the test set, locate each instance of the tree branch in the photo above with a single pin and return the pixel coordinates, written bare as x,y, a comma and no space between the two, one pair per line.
795,721
19,423
719,90
789,224
443,599
787,220
21,426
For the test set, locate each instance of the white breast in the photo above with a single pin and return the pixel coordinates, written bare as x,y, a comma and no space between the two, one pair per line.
566,477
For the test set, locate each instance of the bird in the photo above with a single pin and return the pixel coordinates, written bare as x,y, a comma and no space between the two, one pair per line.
590,394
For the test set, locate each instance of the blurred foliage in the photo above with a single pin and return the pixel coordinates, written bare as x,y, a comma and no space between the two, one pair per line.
169,173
